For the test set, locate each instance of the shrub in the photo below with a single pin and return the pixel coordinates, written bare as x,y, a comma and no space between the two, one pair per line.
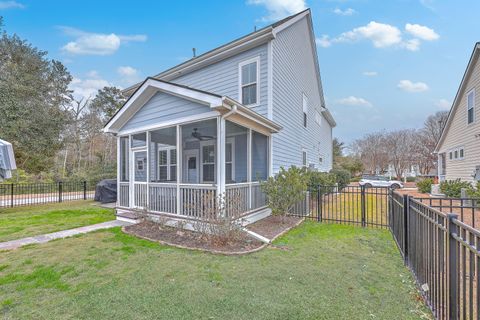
452,188
425,185
355,179
412,179
474,192
285,189
342,177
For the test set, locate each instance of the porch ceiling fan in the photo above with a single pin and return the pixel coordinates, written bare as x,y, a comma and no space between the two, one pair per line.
197,135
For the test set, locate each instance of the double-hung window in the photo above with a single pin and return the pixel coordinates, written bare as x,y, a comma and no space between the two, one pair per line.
249,78
304,109
167,164
471,106
208,163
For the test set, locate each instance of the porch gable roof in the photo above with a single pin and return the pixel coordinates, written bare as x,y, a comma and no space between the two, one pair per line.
151,86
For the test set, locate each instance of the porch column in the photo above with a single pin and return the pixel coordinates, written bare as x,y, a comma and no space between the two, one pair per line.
249,167
119,172
221,141
179,166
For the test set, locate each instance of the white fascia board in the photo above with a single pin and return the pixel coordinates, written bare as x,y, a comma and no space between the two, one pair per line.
288,23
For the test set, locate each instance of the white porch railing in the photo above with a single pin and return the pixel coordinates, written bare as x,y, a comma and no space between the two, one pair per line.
197,200
194,201
259,198
162,197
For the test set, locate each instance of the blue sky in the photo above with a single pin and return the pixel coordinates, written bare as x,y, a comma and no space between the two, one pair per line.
384,64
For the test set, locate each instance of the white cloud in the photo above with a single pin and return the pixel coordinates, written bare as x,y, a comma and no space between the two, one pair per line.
409,86
346,12
324,41
354,101
127,71
421,32
278,9
412,44
382,35
87,88
443,104
370,73
428,4
96,43
11,5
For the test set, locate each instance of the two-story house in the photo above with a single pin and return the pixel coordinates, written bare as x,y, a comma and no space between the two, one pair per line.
223,121
458,149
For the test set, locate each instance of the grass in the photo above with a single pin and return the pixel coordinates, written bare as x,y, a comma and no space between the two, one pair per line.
20,222
348,207
316,271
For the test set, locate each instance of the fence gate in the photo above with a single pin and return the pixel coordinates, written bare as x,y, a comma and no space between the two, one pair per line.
356,205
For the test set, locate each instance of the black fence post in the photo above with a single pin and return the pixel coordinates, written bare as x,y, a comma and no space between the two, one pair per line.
362,204
452,261
84,190
319,204
60,187
11,195
406,211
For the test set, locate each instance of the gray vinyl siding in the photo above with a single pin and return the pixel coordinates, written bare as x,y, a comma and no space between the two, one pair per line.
164,107
294,74
222,77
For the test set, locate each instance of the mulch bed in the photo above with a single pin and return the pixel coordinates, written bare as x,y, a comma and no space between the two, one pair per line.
273,226
192,240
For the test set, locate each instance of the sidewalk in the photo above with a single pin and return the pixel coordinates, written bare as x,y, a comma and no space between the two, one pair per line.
13,244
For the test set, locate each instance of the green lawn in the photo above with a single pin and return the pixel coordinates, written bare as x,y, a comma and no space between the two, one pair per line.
28,221
318,271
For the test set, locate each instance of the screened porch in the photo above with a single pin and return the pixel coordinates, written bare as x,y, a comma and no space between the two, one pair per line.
186,169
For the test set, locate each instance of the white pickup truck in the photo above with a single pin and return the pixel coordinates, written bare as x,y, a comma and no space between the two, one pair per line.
379,181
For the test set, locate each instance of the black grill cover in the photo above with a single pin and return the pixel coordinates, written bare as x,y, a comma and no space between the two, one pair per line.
106,191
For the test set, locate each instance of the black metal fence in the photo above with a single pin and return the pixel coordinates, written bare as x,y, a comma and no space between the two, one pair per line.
441,249
443,254
23,194
355,205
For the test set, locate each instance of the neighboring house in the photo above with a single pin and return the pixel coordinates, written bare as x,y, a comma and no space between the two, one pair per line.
7,160
458,149
221,122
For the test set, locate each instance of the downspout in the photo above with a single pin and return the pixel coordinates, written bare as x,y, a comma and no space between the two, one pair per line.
229,113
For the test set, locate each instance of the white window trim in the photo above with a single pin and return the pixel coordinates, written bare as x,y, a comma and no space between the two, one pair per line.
230,141
169,163
213,142
318,117
305,103
473,106
204,144
453,150
240,86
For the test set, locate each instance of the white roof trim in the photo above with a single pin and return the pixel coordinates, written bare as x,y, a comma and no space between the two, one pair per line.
144,93
471,63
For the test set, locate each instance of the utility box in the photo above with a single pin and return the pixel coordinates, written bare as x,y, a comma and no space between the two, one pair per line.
7,160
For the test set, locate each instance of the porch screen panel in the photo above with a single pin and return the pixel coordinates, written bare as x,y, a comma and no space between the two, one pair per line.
259,156
236,153
162,155
199,152
124,172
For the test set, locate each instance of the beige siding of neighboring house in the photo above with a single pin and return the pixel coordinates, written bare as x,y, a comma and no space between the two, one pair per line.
461,134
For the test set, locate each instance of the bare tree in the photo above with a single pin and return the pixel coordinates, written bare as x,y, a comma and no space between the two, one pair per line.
372,152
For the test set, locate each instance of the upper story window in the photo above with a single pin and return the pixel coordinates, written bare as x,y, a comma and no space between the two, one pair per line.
248,81
304,158
305,109
471,106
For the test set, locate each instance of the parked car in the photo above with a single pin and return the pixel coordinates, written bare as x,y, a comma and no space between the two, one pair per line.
379,181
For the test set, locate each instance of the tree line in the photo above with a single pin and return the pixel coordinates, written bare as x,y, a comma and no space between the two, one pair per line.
55,136
400,149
